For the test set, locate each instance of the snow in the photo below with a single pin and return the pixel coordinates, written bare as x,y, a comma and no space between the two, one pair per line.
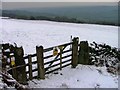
30,33
81,77
1,83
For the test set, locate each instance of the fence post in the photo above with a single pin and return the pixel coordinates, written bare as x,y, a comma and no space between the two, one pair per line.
40,62
3,59
3,63
19,61
14,73
30,67
75,52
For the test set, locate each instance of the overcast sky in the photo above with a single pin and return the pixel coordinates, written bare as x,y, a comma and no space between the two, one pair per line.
18,5
59,0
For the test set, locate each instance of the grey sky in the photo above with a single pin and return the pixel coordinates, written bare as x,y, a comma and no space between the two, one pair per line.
17,5
60,0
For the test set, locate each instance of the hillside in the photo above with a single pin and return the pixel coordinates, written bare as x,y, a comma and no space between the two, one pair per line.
105,15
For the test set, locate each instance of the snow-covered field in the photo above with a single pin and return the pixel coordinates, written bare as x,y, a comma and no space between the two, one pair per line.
29,33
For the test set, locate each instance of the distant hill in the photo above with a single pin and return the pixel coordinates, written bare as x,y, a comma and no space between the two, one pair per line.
87,14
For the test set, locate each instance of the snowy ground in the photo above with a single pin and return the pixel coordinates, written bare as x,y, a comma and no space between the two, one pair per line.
31,33
81,77
1,83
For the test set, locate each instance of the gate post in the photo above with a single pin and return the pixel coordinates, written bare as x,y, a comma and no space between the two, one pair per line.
75,52
84,53
12,60
19,61
40,62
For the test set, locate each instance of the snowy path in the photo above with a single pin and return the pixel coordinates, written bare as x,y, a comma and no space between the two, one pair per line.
81,77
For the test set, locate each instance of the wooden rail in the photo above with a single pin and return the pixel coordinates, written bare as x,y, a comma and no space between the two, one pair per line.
57,64
49,62
51,48
57,68
32,55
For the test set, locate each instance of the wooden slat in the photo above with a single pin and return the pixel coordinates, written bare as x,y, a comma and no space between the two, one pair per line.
58,68
65,56
46,57
34,62
50,61
51,48
57,59
57,64
27,64
17,67
32,55
66,51
32,70
27,72
11,56
25,57
34,77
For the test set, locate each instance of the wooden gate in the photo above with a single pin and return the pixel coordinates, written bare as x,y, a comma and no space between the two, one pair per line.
48,60
62,59
45,62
